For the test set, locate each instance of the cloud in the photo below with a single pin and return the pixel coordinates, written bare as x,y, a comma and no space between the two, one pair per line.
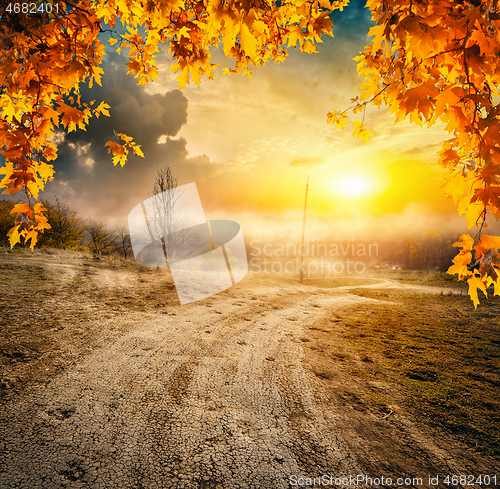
85,175
308,162
424,149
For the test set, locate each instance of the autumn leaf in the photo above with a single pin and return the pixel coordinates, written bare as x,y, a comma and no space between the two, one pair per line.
14,236
340,120
33,236
460,264
138,151
474,284
248,42
183,78
22,208
487,243
102,109
360,131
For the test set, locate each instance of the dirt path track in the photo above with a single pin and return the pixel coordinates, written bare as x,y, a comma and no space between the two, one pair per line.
208,395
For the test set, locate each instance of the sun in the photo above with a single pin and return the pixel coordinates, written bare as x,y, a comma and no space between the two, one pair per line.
352,185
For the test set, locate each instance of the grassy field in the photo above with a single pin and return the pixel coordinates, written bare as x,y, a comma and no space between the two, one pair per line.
418,277
430,356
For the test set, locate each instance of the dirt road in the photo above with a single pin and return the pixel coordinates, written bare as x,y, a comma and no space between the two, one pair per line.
213,394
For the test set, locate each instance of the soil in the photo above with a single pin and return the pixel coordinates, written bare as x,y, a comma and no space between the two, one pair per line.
108,382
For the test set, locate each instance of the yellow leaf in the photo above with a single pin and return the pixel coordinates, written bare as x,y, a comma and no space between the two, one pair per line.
96,76
196,74
14,236
473,214
24,208
33,236
103,109
455,186
38,208
360,131
295,35
248,42
308,47
183,78
8,112
229,38
497,287
45,171
184,32
460,263
137,150
474,284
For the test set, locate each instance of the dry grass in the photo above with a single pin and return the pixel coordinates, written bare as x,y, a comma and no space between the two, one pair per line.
340,281
418,277
50,301
433,357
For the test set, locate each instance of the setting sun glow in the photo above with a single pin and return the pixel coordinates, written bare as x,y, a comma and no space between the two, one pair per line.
352,185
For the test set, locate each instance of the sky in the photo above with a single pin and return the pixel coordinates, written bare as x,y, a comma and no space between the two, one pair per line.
250,145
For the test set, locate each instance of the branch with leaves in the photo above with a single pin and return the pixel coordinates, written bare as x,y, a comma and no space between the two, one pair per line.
46,57
438,61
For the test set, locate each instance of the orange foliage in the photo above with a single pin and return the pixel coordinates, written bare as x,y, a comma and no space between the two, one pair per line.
45,57
438,61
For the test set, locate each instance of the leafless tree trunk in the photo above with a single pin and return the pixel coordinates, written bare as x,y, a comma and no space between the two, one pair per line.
167,224
101,240
123,239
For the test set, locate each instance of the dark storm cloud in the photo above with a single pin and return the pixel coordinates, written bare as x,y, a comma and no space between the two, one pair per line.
85,174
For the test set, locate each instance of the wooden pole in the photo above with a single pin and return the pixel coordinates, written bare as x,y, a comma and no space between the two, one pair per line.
303,233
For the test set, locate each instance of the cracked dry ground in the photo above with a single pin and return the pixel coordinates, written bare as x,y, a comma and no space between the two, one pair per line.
214,394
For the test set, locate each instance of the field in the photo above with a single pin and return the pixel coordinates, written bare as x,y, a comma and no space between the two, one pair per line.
107,381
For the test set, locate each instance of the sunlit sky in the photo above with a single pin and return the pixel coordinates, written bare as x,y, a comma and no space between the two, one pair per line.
249,144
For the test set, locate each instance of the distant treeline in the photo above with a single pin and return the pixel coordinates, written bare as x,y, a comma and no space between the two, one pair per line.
70,232
428,251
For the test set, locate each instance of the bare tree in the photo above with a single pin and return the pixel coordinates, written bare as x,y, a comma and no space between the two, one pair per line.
166,225
101,240
123,239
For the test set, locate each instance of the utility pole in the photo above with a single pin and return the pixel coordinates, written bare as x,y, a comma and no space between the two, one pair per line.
303,233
